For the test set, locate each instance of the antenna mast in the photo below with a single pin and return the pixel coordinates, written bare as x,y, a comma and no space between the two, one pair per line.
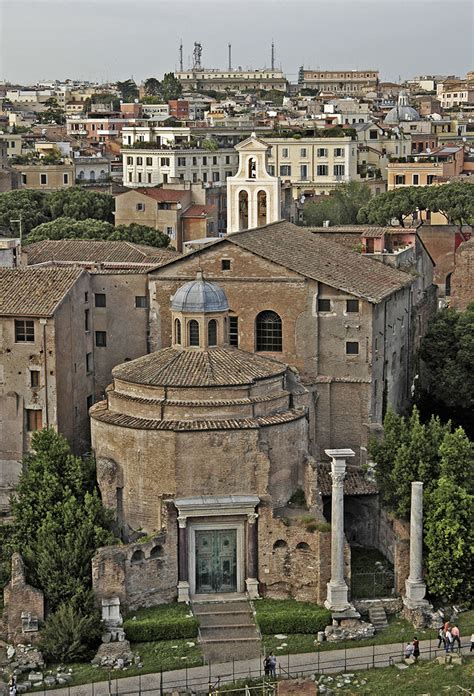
273,56
181,56
230,57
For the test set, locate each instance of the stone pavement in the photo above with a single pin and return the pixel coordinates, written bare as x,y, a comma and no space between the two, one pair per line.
199,678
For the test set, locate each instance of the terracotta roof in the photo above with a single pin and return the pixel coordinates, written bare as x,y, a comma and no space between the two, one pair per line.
162,195
92,251
355,482
196,368
198,211
317,257
361,230
34,292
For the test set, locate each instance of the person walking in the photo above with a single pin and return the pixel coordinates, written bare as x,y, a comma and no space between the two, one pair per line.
456,637
12,686
273,665
449,641
416,648
266,666
441,637
472,643
409,650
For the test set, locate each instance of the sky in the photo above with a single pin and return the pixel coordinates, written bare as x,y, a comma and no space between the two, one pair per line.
118,39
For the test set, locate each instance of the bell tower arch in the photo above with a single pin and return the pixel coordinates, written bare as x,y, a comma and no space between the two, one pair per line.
253,195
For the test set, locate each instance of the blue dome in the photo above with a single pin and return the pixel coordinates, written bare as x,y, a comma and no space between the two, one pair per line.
200,296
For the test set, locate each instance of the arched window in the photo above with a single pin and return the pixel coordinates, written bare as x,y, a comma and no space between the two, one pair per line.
193,333
243,210
252,168
92,175
177,331
303,546
137,557
269,332
280,544
448,285
212,333
261,208
156,552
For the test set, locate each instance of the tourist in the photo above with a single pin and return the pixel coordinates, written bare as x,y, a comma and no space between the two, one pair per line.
266,666
441,637
409,650
456,636
12,686
416,648
273,664
448,646
472,643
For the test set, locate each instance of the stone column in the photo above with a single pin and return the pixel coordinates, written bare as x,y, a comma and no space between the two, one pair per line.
251,580
337,600
183,571
414,585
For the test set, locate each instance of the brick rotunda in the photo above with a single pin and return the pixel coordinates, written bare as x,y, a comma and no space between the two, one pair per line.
199,447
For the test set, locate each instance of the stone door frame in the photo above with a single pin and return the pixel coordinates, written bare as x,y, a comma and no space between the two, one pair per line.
210,526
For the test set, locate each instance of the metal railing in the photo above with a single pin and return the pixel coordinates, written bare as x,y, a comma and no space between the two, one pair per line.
213,680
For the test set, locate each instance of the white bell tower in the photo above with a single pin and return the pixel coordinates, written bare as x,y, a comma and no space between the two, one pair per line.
253,195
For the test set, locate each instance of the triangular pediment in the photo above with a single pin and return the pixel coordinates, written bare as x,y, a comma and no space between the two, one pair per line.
252,144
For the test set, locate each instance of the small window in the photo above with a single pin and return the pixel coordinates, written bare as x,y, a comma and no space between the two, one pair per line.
416,179
100,299
87,320
89,401
34,378
280,544
34,419
225,264
140,207
234,331
65,178
157,552
212,333
352,347
177,331
352,306
303,546
86,297
269,332
140,301
324,305
24,330
88,363
193,329
24,179
43,179
137,557
101,339
149,161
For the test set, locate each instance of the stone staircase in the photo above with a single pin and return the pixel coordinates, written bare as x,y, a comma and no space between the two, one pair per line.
378,617
227,631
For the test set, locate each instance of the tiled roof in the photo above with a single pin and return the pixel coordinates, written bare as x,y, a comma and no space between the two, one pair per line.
362,230
162,195
198,211
317,257
34,292
92,251
355,482
198,368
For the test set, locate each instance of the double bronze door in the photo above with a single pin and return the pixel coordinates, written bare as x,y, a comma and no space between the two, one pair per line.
216,560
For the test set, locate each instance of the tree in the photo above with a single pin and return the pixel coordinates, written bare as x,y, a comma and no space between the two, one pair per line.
399,203
340,208
382,452
58,519
128,90
457,459
447,374
454,200
26,204
449,540
81,204
70,634
170,87
54,113
69,228
152,87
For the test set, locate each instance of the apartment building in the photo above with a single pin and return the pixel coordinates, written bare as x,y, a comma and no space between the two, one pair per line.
349,83
456,93
425,169
232,80
14,144
158,165
312,165
46,177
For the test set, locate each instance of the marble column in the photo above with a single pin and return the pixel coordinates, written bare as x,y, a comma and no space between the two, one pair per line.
251,580
337,600
414,585
183,562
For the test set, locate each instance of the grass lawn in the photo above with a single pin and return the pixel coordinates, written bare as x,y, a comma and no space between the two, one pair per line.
162,612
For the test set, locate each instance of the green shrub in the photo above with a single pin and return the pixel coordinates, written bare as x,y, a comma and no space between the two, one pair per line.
298,498
288,616
318,527
69,635
166,622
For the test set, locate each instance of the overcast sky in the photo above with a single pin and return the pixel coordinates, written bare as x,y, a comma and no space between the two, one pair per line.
118,39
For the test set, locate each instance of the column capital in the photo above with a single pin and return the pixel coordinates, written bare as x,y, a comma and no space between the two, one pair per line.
338,478
182,520
252,517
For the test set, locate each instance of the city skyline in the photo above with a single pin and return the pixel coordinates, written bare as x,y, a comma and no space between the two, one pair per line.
357,35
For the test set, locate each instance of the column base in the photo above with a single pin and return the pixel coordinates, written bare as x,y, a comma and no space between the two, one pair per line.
336,600
183,591
415,594
252,588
